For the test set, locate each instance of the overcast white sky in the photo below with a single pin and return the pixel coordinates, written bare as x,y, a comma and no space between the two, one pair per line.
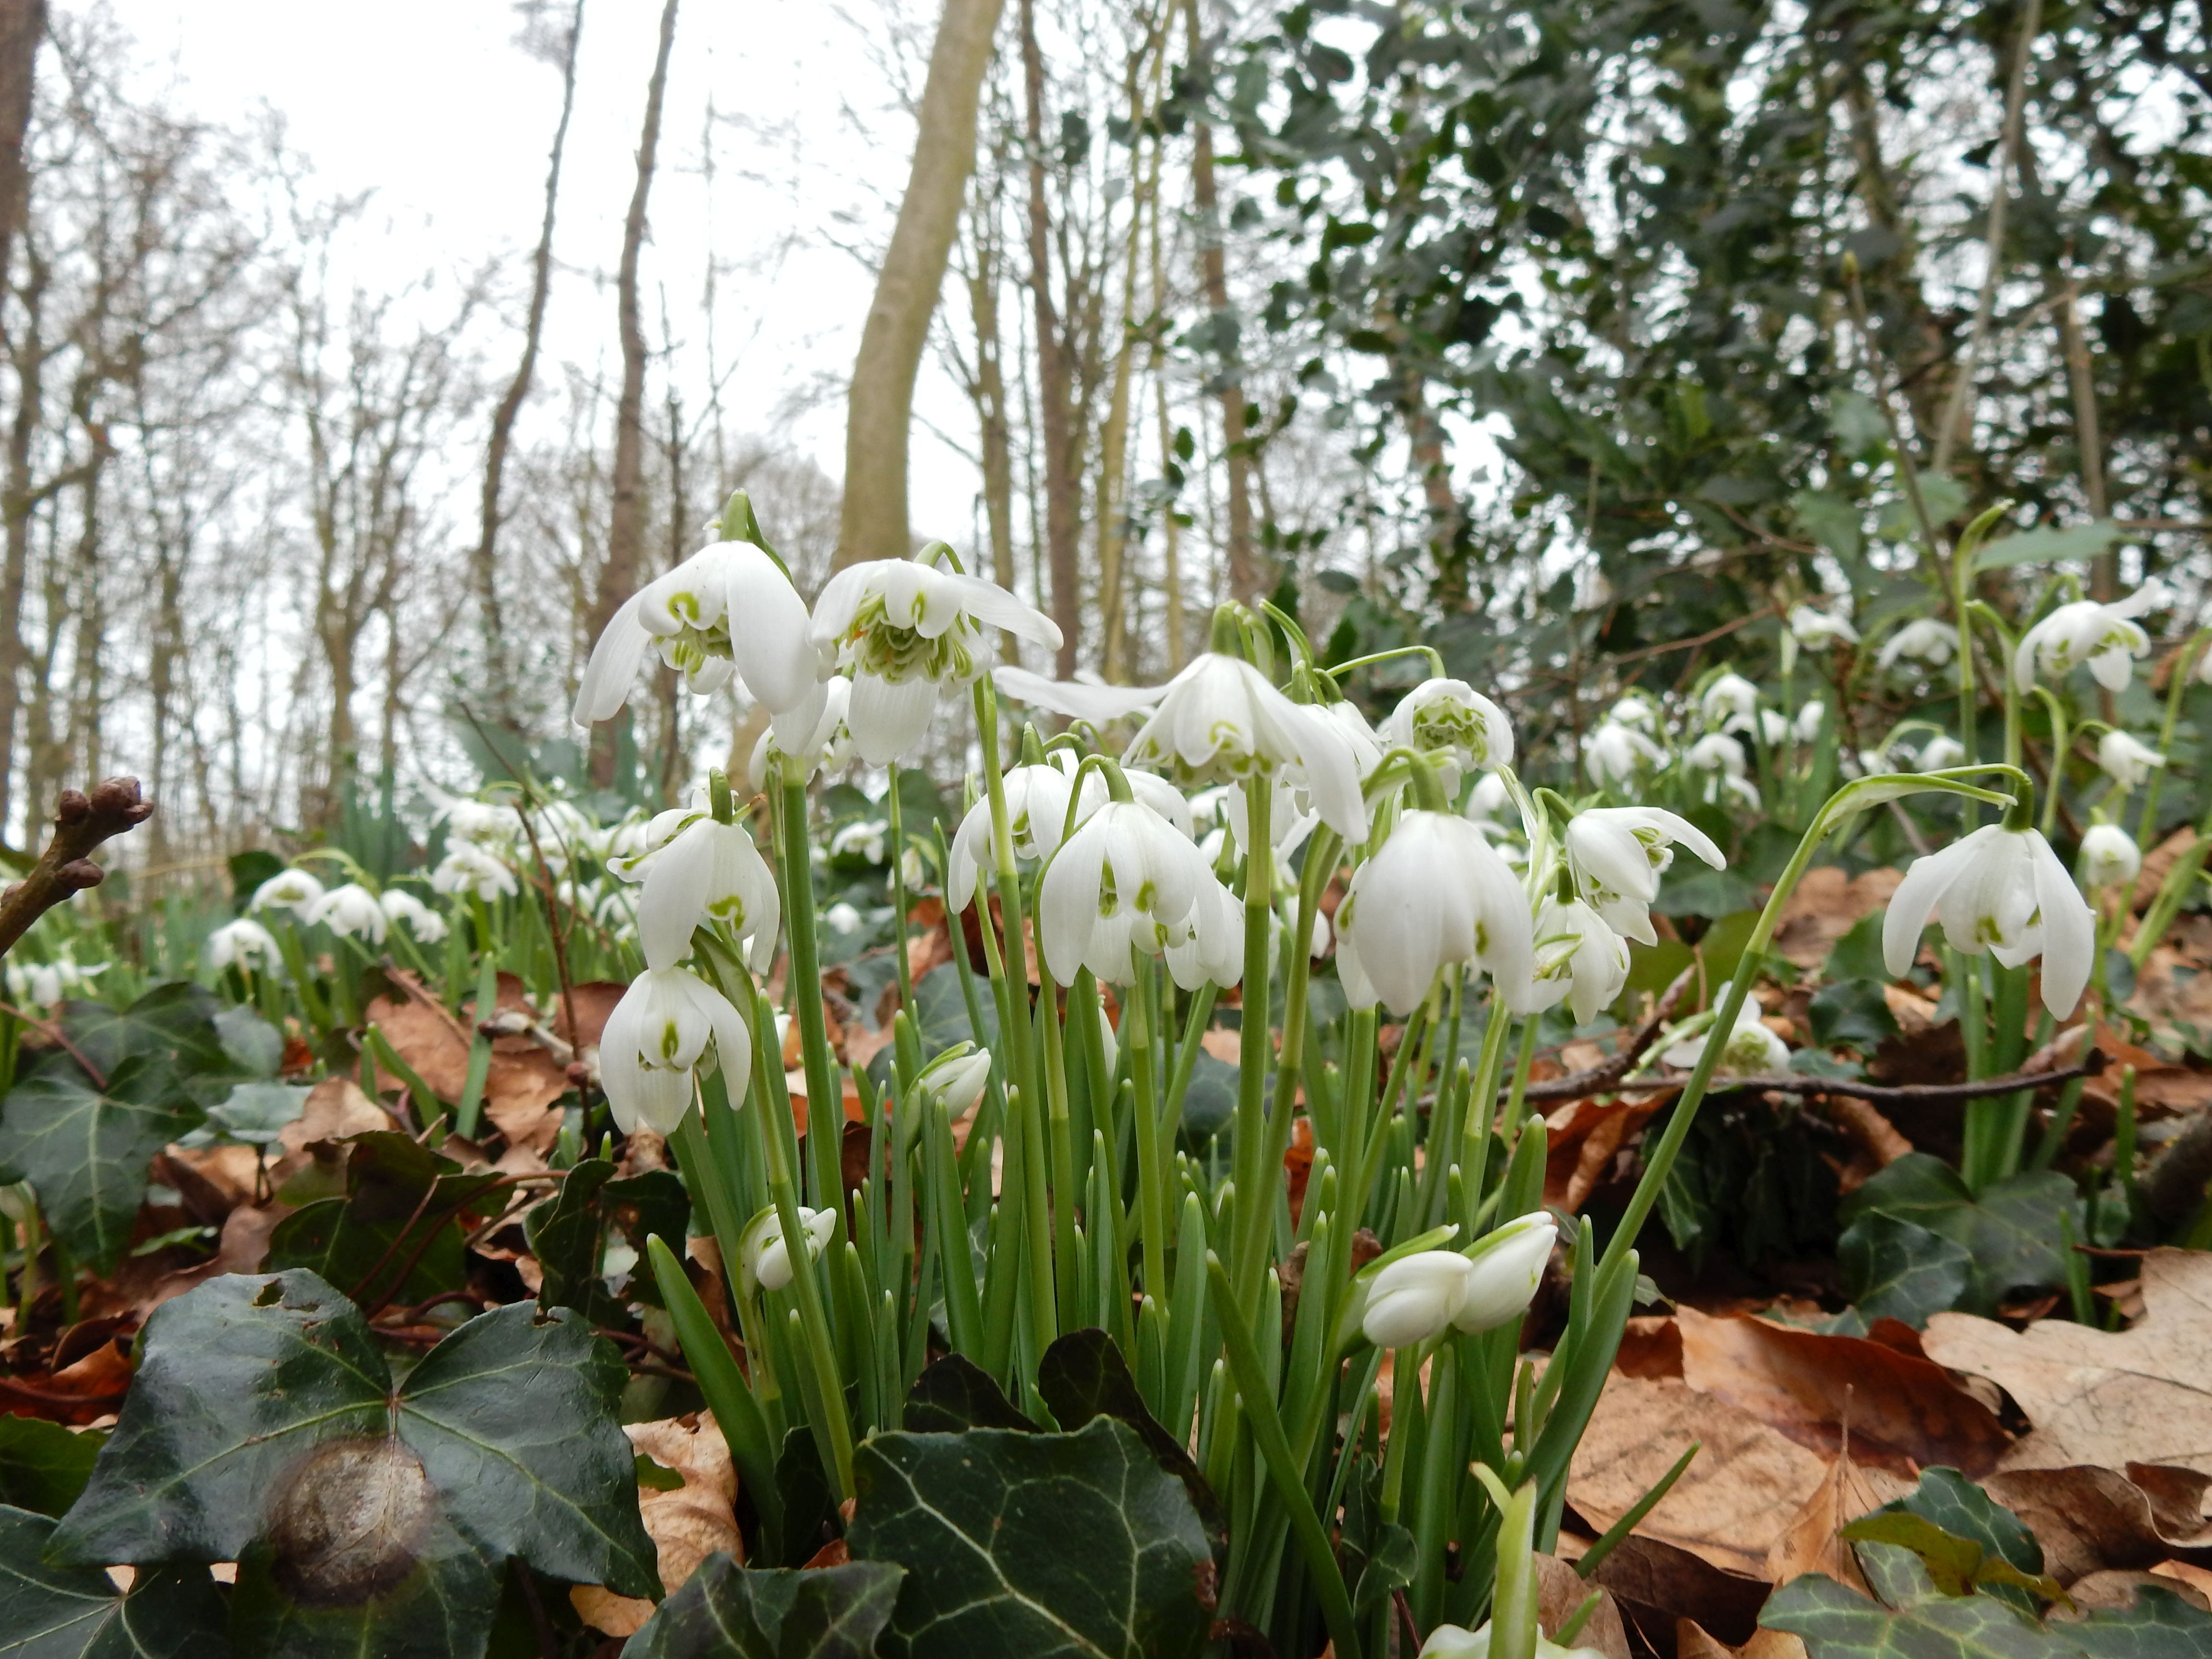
431,105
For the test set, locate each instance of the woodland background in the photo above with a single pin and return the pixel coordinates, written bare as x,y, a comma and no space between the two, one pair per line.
1522,331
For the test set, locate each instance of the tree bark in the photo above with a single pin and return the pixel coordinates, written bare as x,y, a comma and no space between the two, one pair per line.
1063,479
498,688
29,355
22,25
626,514
1247,582
878,409
989,393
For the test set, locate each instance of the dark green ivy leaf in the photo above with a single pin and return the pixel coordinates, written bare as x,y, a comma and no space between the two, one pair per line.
173,1022
724,1610
1836,1622
983,1521
564,1234
2156,1625
400,1219
1901,1270
1852,1013
956,1393
2011,1232
85,1150
43,1466
75,1613
1082,1375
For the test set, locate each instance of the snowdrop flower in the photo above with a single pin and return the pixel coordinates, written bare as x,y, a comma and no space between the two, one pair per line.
1942,750
1458,727
352,912
2126,761
729,609
1635,711
826,748
1436,893
843,918
1457,1642
711,872
1616,855
1127,881
1923,640
909,630
764,1258
243,943
955,1079
295,891
1752,1047
1730,702
1810,719
479,821
2002,891
1417,1297
1036,811
1367,744
2109,857
668,1022
1721,757
1814,628
1487,799
1209,944
862,835
2105,636
47,983
1775,727
468,868
1578,959
1612,753
401,906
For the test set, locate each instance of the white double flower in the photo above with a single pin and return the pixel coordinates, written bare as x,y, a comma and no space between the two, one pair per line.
1437,893
708,871
1613,752
2106,637
1616,855
1037,817
2003,891
2109,857
1420,1295
1458,728
669,1025
1129,881
2127,761
1579,959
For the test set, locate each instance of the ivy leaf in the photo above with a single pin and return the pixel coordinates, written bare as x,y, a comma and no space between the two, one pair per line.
2010,1232
400,1219
173,1023
257,1113
253,1045
982,1522
1899,1270
2156,1625
264,1423
43,1466
1835,1622
564,1232
1853,1012
1082,1375
829,1613
956,1393
85,1150
75,1613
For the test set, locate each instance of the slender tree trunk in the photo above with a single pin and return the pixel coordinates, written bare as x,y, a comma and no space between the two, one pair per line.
22,25
1055,372
990,392
30,360
1247,582
878,409
498,687
1173,622
626,512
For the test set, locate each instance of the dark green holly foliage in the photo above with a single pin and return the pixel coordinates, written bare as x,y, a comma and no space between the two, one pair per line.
265,1427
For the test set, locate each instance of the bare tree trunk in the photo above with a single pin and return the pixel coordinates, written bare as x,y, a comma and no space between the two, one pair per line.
1170,531
872,522
497,687
1055,372
989,393
30,358
626,516
1247,582
22,25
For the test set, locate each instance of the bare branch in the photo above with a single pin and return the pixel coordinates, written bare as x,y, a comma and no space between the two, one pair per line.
81,823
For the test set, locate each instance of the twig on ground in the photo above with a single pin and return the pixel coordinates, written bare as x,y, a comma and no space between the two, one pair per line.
1602,1079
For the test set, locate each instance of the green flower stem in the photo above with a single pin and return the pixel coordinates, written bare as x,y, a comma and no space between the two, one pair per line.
1244,1364
1255,1186
1321,860
905,968
1482,1104
2177,682
1014,1021
1152,1178
1522,1065
1037,1255
1061,1140
721,1384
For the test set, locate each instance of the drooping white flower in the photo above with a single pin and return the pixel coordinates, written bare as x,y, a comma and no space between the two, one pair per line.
1721,758
1367,744
242,943
1942,750
956,1079
468,868
1436,893
2109,857
47,983
1457,1642
1923,640
763,1257
2127,761
1208,943
402,907
2005,892
1813,628
908,631
2105,636
1417,1297
1730,702
709,873
1578,959
1127,881
1636,711
1752,1049
668,1024
295,891
484,823
843,918
1612,753
351,911
1454,725
728,610
865,837
1489,798
1775,727
1810,719
825,748
1617,854
1036,816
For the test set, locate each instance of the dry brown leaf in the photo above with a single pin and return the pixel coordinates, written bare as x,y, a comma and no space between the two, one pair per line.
1870,1131
520,1085
1735,1500
213,1181
1581,1140
1656,1583
1811,1542
595,1000
1826,905
1559,1590
2104,1398
334,1108
1902,1410
2091,1520
2116,1588
1693,1641
687,1524
2186,1573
